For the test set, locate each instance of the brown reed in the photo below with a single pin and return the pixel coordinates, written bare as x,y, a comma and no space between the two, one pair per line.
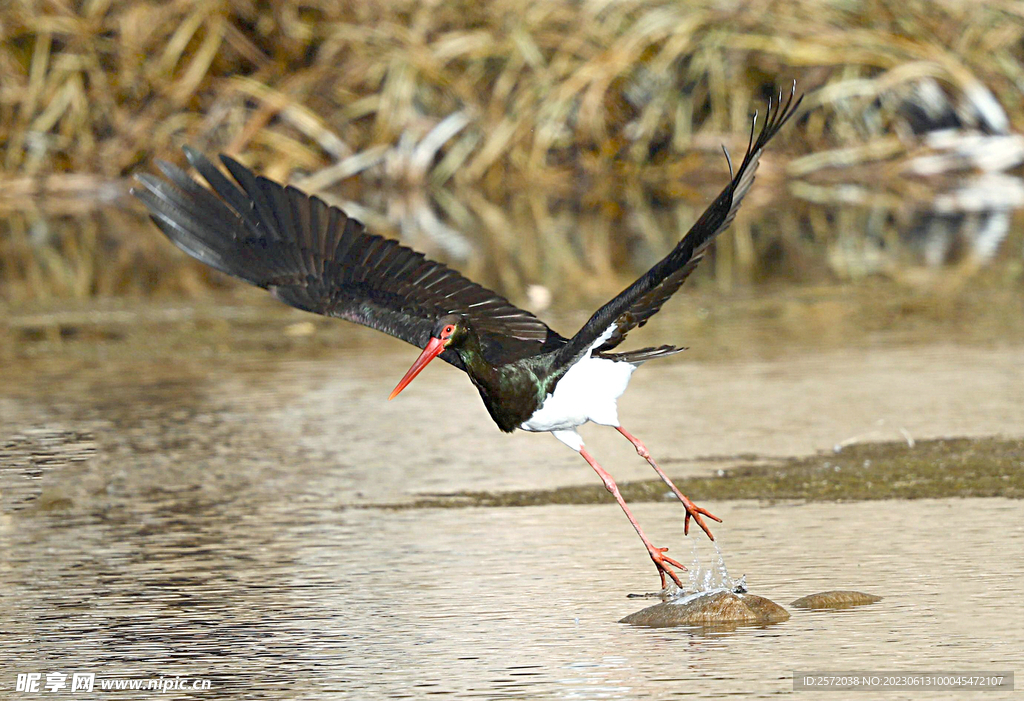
579,108
495,94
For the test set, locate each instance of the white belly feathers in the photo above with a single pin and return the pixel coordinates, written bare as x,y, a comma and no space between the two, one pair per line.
587,392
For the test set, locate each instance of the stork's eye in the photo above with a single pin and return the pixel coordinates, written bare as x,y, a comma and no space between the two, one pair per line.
448,330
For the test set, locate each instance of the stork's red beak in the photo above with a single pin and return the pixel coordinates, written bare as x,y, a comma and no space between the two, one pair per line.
435,347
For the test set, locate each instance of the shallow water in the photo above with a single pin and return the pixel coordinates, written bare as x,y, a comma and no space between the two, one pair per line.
213,518
212,490
276,595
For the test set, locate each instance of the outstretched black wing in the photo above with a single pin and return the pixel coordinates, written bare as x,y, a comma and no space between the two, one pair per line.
314,257
641,300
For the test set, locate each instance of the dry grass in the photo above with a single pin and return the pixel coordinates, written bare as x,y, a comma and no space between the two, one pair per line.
578,108
489,94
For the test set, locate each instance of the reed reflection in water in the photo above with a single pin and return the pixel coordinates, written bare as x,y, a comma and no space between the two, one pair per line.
542,247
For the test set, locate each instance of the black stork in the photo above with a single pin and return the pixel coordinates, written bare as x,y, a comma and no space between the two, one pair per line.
316,258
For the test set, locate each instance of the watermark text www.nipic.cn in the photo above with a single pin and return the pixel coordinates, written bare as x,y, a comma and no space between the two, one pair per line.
53,682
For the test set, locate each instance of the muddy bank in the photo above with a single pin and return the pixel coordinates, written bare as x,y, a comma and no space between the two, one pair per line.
960,467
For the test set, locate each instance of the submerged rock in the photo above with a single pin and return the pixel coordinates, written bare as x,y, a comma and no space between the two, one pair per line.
835,600
709,609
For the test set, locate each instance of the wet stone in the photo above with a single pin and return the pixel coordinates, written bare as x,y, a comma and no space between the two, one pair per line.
838,599
710,609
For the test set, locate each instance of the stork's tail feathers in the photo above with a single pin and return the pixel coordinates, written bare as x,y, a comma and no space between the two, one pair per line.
642,355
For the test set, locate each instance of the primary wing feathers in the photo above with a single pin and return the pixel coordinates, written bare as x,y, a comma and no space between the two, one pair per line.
314,257
641,300
647,305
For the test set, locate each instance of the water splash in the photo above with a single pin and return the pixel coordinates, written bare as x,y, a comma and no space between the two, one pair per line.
710,576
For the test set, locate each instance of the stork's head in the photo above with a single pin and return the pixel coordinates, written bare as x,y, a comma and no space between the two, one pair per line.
449,330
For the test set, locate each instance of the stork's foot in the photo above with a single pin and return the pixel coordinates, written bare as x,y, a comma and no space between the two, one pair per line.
664,563
692,510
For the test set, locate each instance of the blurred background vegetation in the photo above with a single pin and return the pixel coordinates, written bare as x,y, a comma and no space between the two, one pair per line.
535,131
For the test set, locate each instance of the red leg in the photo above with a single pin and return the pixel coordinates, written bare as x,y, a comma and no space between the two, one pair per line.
691,508
661,561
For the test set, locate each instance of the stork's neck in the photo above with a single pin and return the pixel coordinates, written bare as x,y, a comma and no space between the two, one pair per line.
471,353
511,391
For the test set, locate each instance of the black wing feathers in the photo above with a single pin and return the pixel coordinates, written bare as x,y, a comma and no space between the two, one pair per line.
641,300
648,305
314,257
